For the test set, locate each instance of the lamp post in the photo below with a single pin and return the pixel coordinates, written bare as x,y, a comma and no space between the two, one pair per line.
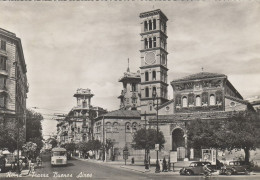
155,96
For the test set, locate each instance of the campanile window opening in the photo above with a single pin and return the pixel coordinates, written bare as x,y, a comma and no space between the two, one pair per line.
146,92
154,41
145,43
146,76
154,75
154,24
150,25
145,26
3,45
150,43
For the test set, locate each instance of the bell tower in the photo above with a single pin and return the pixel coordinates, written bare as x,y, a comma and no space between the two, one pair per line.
153,60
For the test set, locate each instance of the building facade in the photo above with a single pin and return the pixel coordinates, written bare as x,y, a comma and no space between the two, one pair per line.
118,126
207,96
13,80
77,126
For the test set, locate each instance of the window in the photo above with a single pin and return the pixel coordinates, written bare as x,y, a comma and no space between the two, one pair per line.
154,75
154,24
212,99
133,87
127,127
3,63
163,59
145,26
147,92
145,43
2,82
219,98
3,45
154,41
2,101
134,100
150,25
78,130
198,101
84,104
178,100
184,102
115,127
134,125
154,90
146,76
108,126
150,43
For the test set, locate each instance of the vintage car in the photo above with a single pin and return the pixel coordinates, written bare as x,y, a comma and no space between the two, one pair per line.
235,167
195,168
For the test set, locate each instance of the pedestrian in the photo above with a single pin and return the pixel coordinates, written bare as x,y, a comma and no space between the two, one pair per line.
161,166
164,165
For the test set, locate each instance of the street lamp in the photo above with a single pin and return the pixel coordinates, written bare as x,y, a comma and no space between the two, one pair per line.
155,96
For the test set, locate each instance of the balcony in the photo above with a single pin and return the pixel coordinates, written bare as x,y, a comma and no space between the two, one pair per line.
3,72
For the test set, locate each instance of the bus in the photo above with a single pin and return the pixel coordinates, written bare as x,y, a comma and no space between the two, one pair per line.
58,156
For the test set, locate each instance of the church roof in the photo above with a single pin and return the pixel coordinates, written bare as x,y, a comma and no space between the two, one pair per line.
123,114
201,75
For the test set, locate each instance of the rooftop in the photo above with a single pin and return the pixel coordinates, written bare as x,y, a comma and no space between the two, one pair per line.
122,114
201,75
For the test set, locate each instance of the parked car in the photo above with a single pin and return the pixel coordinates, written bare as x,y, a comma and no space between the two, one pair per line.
195,168
235,167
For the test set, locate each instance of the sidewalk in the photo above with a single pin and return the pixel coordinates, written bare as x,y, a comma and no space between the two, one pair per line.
138,166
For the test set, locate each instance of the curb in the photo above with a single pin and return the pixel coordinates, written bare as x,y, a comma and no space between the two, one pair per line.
124,167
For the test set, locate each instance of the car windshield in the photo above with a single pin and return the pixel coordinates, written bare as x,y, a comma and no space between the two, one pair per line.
193,164
59,153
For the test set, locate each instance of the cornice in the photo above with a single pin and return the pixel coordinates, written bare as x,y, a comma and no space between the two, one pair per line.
155,31
154,82
153,66
155,48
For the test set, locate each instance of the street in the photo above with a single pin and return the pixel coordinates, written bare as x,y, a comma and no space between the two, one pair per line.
78,169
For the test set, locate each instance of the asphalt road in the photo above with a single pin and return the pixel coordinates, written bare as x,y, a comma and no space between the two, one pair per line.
77,169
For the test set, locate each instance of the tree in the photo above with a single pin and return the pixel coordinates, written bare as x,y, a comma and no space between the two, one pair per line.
70,147
146,139
30,148
83,147
6,139
33,124
235,133
53,142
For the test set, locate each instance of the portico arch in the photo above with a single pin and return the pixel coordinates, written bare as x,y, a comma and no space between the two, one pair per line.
178,138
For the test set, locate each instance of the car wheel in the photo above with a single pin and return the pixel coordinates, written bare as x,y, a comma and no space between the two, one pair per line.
229,172
189,173
246,172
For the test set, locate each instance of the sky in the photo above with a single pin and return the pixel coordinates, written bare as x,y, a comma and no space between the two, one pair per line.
70,45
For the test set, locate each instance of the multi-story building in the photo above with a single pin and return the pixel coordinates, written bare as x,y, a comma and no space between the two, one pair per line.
78,124
130,95
13,79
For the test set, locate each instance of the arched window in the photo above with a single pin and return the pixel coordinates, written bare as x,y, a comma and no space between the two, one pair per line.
198,100
108,126
191,99
115,126
163,59
147,92
145,26
162,42
150,25
134,127
154,24
150,43
184,102
154,41
154,75
127,127
212,99
154,90
146,76
145,43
